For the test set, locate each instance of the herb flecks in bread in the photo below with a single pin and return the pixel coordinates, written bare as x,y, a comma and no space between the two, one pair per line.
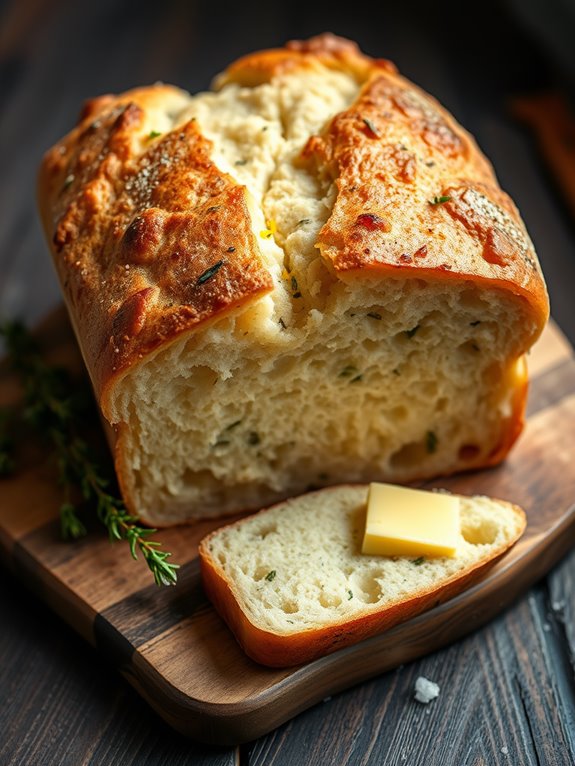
272,234
293,585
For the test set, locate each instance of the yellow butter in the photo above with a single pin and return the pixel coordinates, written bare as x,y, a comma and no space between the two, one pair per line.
410,522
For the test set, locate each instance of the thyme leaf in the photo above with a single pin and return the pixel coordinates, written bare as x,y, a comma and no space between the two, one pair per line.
431,441
296,292
209,273
54,405
348,371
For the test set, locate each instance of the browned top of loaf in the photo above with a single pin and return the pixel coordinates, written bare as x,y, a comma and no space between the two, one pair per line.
142,230
151,239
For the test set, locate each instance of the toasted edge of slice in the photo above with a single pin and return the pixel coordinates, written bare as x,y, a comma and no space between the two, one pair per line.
278,648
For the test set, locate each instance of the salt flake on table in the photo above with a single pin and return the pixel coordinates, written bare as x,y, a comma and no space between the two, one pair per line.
425,690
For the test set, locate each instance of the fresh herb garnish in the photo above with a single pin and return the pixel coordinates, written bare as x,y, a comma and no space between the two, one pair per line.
54,405
71,528
411,333
209,273
241,162
349,595
154,134
373,315
431,441
419,561
68,181
303,222
282,323
440,200
231,249
271,575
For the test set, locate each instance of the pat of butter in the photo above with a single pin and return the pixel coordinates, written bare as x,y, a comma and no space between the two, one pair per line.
410,522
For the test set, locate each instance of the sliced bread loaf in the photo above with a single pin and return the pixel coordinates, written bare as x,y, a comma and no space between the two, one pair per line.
293,585
307,276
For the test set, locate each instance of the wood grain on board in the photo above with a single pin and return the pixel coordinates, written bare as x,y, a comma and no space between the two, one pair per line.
173,647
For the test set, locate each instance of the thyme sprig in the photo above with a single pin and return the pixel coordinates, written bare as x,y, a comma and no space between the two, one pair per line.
54,406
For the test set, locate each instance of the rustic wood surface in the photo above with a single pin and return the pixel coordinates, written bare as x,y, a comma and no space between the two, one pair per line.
508,691
172,646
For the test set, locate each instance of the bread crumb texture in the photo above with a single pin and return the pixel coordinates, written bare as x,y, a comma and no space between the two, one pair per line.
291,281
289,574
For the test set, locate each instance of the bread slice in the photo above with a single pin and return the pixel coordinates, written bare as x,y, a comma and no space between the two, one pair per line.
308,275
293,585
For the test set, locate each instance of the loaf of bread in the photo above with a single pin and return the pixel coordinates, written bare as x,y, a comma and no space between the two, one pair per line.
293,585
307,276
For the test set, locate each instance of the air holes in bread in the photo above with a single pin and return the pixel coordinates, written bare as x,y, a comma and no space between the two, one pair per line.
367,588
409,455
328,600
479,531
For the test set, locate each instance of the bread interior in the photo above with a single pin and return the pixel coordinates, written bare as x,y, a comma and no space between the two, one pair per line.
325,380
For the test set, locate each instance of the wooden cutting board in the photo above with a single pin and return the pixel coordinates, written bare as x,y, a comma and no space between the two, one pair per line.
174,649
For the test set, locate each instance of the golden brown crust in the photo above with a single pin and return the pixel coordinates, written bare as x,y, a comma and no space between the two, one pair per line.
152,240
322,51
394,154
149,237
405,204
277,650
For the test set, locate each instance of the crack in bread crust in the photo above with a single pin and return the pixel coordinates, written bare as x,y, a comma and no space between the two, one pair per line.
300,248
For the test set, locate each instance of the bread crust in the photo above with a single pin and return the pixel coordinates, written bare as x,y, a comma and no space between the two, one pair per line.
392,154
151,240
277,650
135,220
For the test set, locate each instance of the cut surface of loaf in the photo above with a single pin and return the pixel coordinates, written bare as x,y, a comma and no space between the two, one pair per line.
308,275
293,585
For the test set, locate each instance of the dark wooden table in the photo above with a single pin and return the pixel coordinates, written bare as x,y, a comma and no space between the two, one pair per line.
507,691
